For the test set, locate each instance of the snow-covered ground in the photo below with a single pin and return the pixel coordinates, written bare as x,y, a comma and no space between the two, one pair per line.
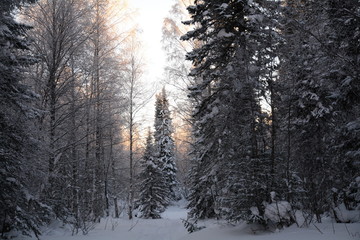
246,232
170,227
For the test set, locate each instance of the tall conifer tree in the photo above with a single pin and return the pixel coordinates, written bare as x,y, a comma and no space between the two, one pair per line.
19,208
230,162
153,196
164,143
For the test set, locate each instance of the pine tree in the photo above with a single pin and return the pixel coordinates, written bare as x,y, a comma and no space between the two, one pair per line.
164,143
153,197
19,208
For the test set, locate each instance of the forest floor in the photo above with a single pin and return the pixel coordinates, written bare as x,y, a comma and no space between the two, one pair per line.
170,227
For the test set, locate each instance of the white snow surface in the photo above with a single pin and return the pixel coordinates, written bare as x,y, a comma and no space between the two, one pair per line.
170,227
278,211
347,215
223,33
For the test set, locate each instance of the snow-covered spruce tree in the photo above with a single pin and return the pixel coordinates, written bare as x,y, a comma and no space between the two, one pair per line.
344,71
20,210
230,169
304,70
164,143
345,66
203,196
289,51
153,196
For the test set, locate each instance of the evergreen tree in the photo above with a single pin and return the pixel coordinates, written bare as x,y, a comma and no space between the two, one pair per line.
304,72
230,161
252,51
343,52
344,37
164,143
312,121
19,208
153,196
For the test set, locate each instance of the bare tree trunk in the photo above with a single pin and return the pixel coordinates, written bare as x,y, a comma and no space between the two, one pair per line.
273,131
117,215
72,141
135,94
288,158
87,165
52,107
106,194
52,92
131,187
98,131
113,175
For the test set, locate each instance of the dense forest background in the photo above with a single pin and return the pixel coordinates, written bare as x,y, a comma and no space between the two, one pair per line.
266,113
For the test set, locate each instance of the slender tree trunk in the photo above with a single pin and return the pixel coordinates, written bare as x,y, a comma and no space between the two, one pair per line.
52,93
98,130
131,190
131,138
113,173
288,159
117,215
74,160
106,194
52,107
273,132
87,165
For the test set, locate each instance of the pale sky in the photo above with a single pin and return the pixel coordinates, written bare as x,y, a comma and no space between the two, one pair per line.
150,15
150,19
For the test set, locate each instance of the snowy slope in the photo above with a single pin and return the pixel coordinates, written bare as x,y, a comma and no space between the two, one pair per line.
170,227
